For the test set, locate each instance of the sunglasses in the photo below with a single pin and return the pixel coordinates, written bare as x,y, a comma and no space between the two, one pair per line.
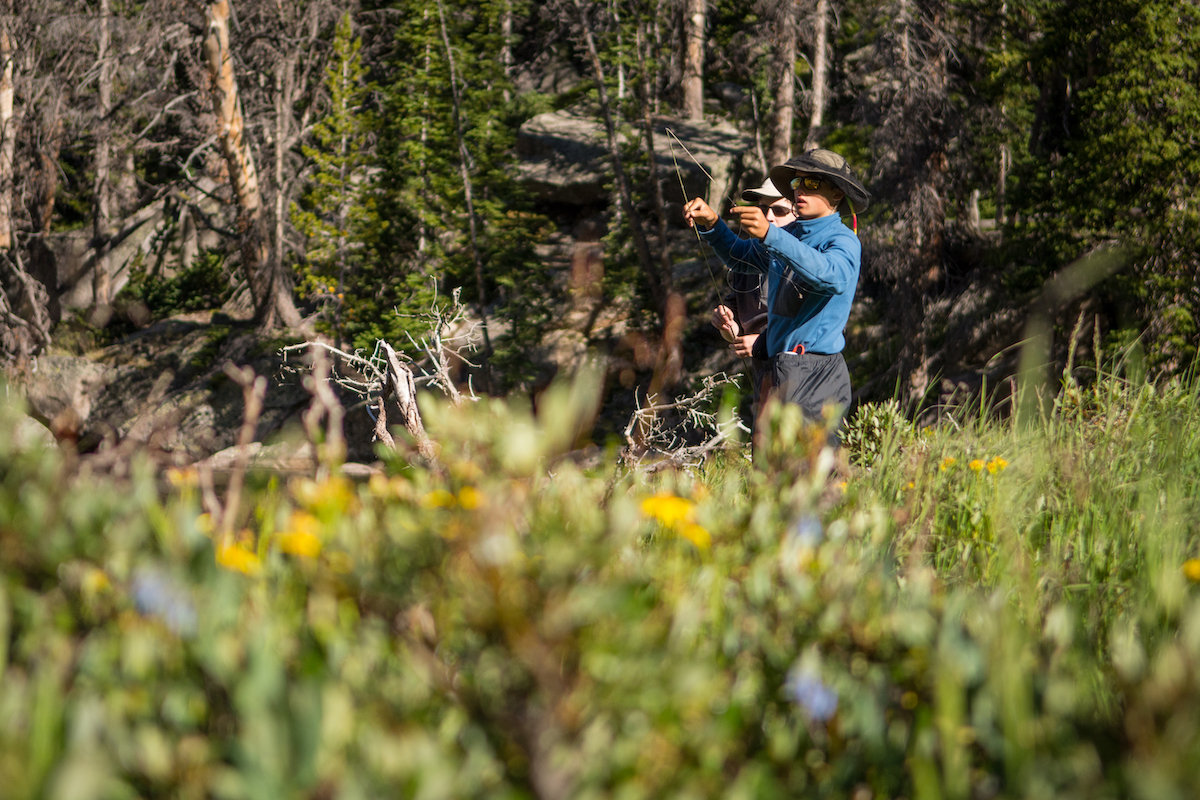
778,211
807,182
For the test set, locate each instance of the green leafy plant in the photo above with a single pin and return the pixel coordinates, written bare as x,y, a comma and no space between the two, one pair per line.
873,428
997,610
202,285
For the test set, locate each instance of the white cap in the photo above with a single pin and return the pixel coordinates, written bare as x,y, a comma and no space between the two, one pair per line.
768,191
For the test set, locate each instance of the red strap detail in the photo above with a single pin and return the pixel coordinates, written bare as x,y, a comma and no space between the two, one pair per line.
799,349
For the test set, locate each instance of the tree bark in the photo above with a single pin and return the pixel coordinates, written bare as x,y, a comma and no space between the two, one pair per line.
283,80
101,202
658,290
268,288
506,51
785,88
660,202
398,381
693,63
40,204
1002,186
820,79
8,136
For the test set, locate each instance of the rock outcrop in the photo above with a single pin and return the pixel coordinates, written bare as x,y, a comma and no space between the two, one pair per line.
564,158
61,390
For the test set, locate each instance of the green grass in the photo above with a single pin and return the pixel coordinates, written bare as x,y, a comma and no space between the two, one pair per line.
508,626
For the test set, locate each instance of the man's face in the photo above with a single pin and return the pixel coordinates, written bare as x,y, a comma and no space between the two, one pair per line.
778,211
816,196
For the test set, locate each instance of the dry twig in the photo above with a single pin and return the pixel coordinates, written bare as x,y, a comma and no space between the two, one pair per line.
660,445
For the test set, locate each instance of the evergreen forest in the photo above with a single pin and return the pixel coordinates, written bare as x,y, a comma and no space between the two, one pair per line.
340,166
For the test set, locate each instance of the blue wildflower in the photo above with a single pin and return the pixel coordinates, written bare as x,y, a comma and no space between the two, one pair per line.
805,688
155,594
808,530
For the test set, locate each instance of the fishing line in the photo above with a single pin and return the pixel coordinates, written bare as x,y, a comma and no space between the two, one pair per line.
732,202
696,231
686,200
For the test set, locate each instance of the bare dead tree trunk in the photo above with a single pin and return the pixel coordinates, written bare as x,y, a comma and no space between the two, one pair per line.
660,202
271,295
658,290
26,327
283,75
820,79
506,54
40,204
103,191
399,382
1002,185
464,161
8,135
343,208
785,88
758,145
616,14
693,63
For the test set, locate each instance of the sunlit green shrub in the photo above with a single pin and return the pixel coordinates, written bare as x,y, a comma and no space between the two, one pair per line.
993,611
873,428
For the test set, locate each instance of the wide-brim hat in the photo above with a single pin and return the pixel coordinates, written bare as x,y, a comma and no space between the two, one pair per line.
767,190
828,164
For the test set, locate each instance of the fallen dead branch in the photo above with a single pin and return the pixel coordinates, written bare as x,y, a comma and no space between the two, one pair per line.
388,374
664,435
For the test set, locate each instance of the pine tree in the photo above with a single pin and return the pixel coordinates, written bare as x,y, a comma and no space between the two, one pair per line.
1113,158
337,209
439,139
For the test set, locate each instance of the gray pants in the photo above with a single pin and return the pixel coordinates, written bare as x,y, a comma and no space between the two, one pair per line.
811,381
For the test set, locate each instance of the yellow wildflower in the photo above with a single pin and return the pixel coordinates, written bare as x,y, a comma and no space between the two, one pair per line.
976,465
1191,569
299,543
238,557
180,478
997,464
697,535
470,498
911,485
333,494
95,581
678,514
439,498
947,463
302,537
668,509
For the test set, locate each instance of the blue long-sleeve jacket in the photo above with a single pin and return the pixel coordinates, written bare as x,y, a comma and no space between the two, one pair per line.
812,271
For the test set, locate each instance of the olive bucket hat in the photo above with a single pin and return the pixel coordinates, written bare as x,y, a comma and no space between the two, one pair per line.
830,165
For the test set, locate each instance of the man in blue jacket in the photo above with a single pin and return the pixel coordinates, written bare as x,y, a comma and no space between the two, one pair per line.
812,272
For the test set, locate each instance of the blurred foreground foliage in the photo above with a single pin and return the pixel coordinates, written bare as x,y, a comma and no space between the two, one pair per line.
981,610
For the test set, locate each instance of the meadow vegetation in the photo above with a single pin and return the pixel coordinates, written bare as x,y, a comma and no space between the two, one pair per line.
989,607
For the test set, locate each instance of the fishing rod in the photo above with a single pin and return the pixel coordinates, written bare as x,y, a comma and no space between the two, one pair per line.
725,334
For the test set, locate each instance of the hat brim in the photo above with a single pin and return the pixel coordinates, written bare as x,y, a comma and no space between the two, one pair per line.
768,189
855,192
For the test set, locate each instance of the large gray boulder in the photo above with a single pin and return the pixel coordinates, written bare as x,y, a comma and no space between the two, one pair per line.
29,434
564,157
65,388
165,234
